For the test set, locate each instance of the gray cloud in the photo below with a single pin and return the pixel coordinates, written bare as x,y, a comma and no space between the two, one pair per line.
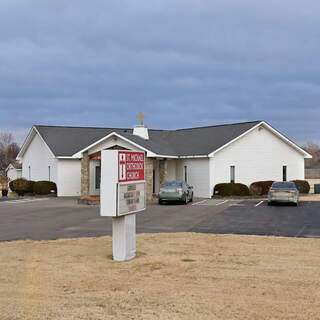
183,63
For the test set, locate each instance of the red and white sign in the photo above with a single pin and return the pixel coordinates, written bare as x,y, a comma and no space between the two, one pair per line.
131,166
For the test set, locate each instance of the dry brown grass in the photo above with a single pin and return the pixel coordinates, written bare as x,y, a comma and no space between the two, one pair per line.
309,197
10,195
175,276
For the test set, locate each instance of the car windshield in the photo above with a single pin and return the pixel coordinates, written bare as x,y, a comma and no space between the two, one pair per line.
284,185
172,184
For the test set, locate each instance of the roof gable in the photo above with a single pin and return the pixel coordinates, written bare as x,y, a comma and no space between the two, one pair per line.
272,130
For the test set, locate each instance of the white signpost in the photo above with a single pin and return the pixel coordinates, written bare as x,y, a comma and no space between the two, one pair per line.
122,195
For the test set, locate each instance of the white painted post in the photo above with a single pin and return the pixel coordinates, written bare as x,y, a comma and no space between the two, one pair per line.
124,237
123,194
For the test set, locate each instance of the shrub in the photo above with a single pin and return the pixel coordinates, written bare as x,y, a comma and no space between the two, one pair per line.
31,185
21,186
260,188
231,189
44,187
302,185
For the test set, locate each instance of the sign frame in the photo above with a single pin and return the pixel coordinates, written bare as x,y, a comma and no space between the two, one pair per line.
118,197
110,183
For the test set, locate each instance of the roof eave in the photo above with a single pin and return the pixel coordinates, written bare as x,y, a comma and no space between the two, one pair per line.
80,153
67,157
288,141
26,143
28,140
194,156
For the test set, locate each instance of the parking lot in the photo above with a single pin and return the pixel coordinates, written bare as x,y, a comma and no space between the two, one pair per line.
257,218
52,218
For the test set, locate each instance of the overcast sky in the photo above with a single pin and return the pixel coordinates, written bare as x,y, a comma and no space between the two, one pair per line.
182,63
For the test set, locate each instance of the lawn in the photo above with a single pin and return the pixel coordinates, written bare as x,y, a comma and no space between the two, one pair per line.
175,276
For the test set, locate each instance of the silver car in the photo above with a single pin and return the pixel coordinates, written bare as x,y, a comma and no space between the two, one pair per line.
286,192
176,191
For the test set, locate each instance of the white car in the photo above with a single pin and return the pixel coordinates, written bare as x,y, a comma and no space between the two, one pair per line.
283,192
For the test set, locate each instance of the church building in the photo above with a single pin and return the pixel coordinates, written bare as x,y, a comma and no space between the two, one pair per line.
202,156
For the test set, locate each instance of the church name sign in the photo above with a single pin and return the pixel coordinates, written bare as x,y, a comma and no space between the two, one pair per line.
131,166
123,187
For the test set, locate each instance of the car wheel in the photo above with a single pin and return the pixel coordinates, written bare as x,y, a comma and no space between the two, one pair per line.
160,201
269,203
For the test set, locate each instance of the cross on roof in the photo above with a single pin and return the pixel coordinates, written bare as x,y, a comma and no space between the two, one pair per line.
140,116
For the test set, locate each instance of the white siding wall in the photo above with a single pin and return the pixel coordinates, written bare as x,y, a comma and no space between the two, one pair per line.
260,155
69,178
13,174
198,175
171,170
39,158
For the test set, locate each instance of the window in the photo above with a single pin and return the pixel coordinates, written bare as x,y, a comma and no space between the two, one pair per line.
49,173
172,184
29,172
232,174
283,185
284,173
185,174
98,177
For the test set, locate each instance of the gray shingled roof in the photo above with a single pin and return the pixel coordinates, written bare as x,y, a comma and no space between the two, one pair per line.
66,141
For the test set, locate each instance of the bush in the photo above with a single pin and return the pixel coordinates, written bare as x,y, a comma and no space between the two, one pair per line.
21,186
302,185
260,188
231,189
31,183
44,187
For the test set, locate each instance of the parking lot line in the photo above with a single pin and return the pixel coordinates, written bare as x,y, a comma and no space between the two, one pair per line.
301,231
218,204
197,203
258,204
18,201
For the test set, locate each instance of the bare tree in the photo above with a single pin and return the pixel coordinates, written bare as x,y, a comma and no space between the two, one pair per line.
8,149
314,150
12,151
6,139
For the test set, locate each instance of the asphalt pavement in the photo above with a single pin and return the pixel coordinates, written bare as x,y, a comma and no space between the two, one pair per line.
53,218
